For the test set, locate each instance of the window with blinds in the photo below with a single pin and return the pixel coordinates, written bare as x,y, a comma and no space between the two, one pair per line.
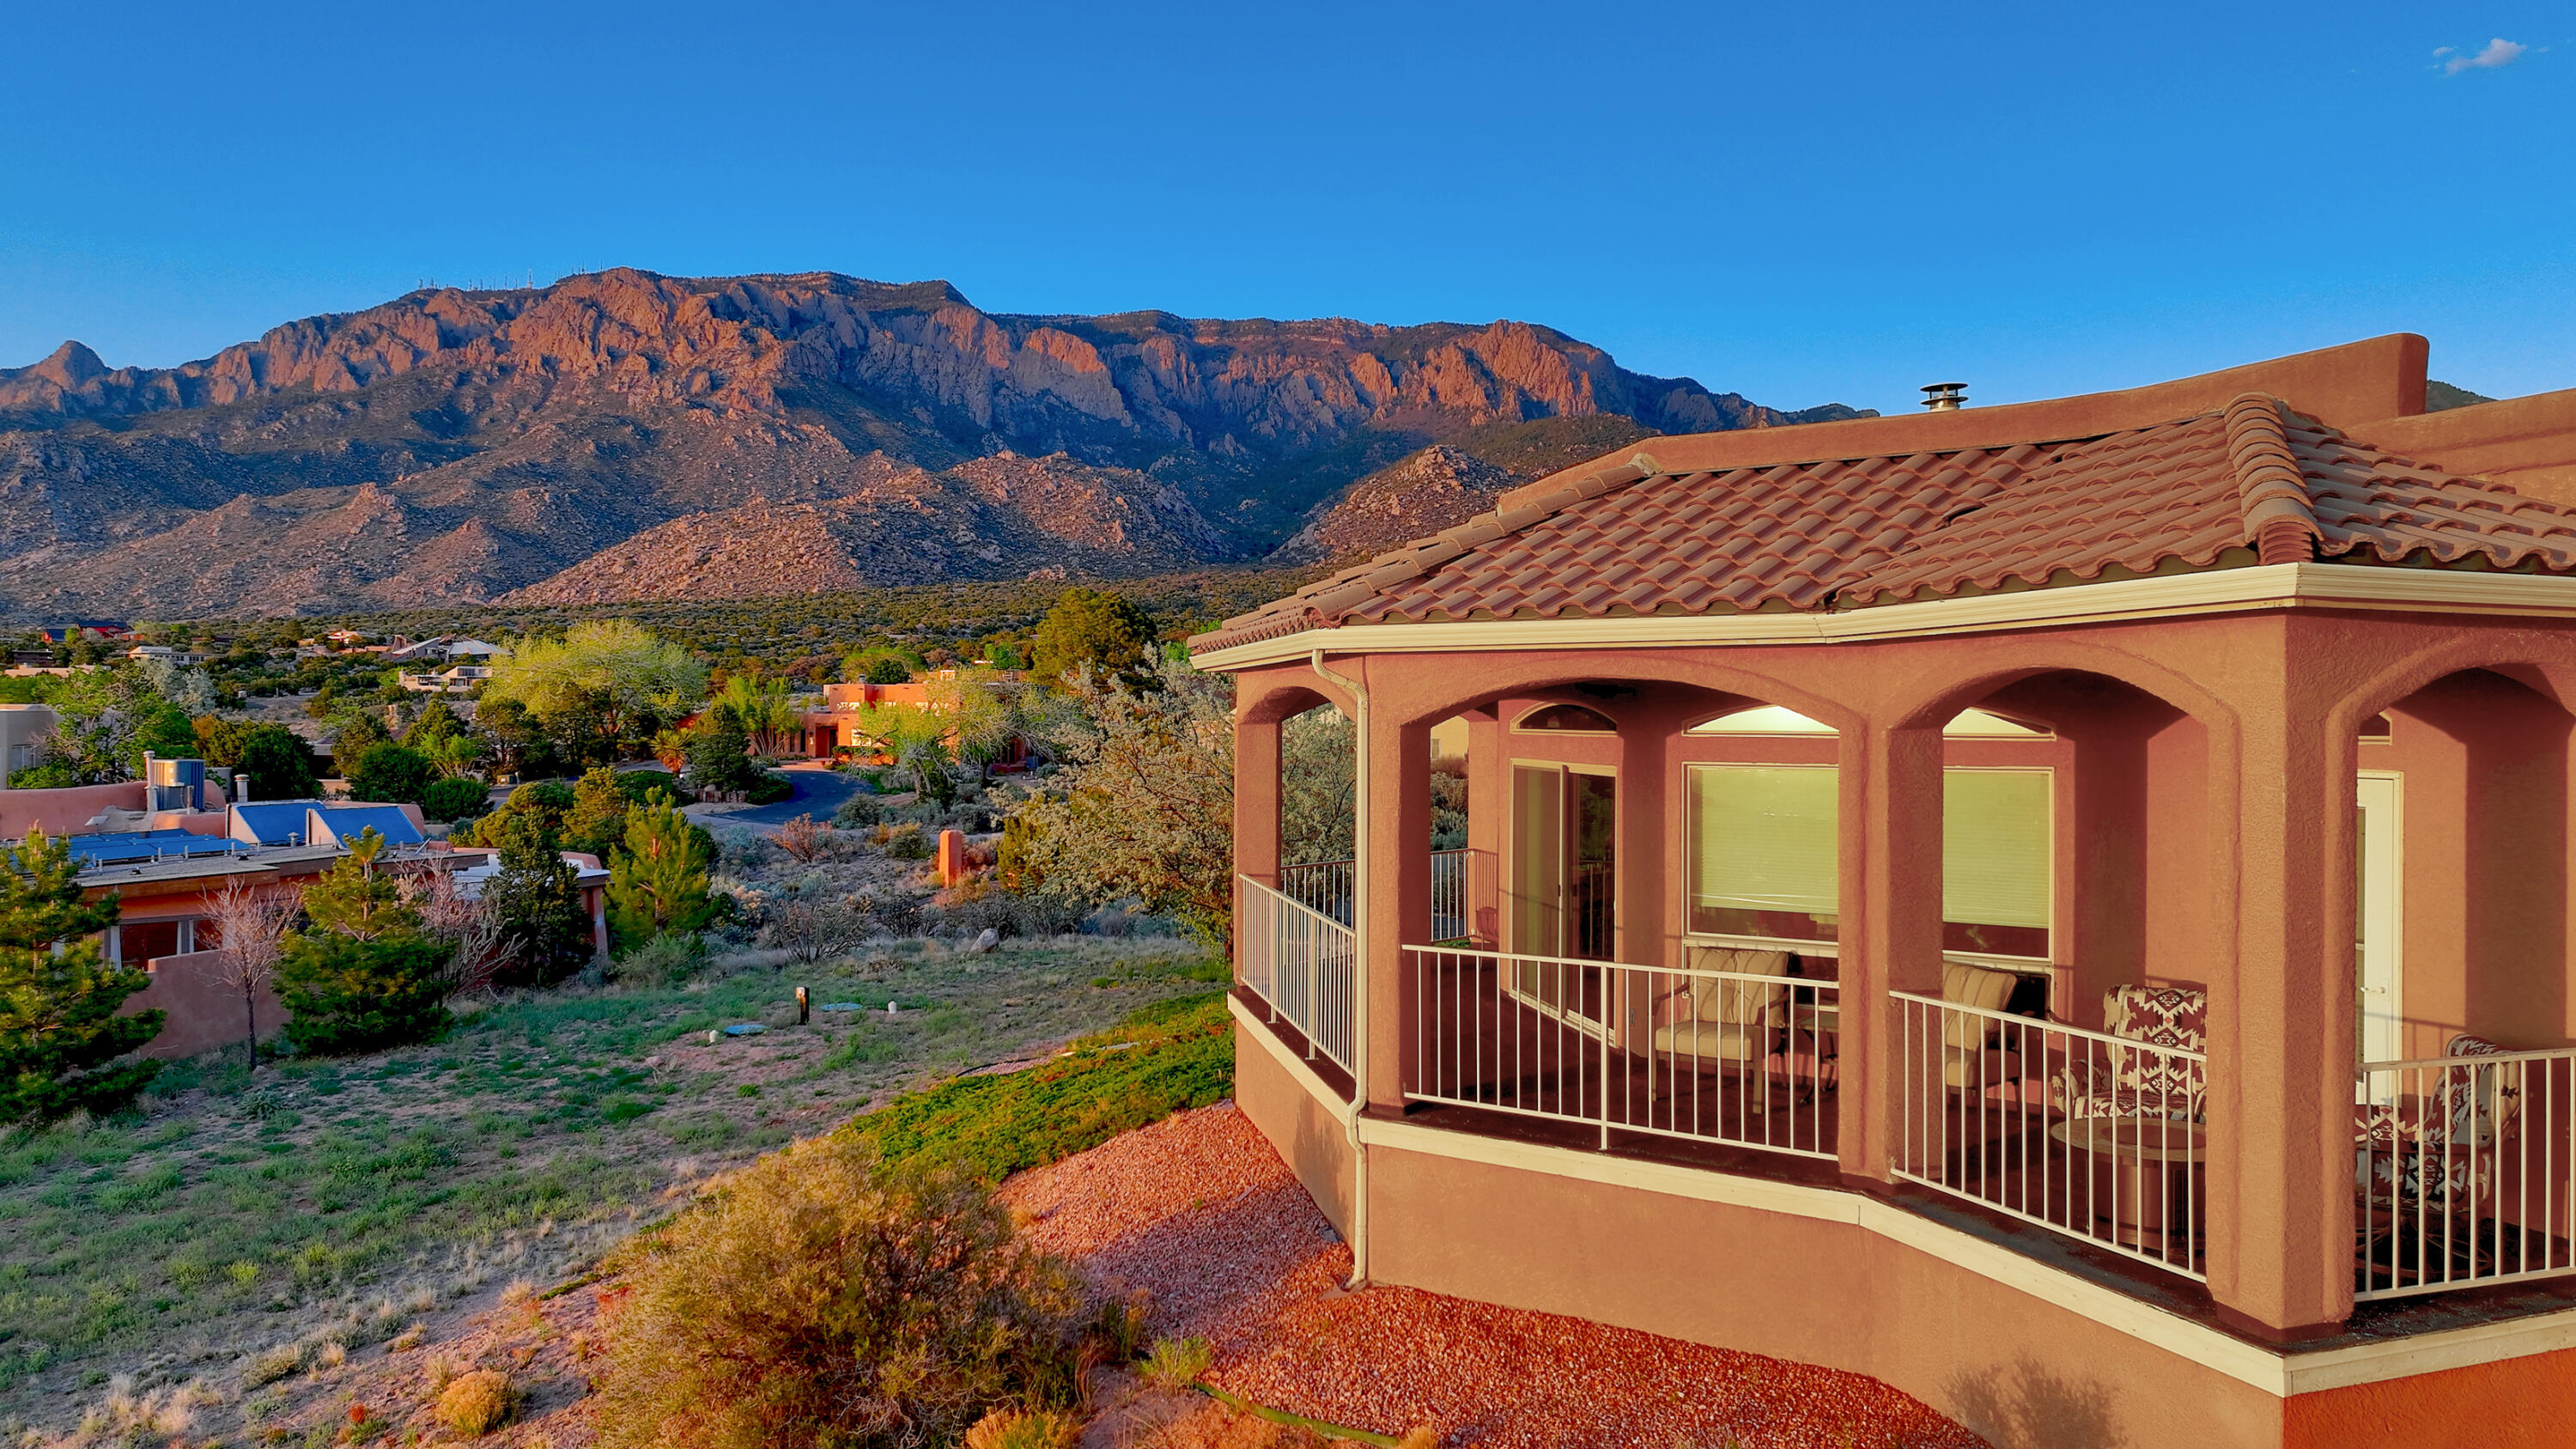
1765,858
1995,861
1764,851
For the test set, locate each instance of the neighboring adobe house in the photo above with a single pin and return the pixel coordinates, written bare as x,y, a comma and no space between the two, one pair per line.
1910,908
832,727
24,728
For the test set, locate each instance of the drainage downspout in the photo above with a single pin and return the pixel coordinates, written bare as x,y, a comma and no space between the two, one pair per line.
1359,968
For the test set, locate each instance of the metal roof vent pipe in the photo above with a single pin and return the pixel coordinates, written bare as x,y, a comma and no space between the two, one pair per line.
1945,397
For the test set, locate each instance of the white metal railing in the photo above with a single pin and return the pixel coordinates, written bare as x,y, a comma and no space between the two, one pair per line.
1711,1056
2097,1136
1300,963
1321,886
2466,1166
1449,904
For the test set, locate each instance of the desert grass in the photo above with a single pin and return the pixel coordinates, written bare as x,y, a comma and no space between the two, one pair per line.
248,1234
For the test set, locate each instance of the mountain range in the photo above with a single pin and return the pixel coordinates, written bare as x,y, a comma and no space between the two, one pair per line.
624,435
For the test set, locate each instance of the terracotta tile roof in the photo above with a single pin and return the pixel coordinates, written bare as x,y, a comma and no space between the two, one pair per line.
2252,482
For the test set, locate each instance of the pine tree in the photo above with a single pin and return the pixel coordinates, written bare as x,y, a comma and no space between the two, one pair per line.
60,1036
364,976
598,816
535,897
657,885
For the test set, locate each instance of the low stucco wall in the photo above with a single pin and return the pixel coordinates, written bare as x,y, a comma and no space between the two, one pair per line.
203,1012
2517,1401
1306,1133
2019,1371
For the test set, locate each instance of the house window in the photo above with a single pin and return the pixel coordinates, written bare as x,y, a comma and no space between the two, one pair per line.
1995,856
1764,858
144,940
1566,719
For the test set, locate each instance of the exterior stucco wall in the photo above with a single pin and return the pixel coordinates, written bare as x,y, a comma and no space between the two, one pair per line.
203,1012
2020,1372
1308,1136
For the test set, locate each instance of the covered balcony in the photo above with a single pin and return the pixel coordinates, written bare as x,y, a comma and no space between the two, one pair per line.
1624,922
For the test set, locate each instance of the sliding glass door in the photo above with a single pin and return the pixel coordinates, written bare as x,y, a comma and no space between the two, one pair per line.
1564,882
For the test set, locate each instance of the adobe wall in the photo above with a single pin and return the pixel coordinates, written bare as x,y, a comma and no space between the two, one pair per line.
1306,1133
2020,1371
2526,443
63,811
203,1012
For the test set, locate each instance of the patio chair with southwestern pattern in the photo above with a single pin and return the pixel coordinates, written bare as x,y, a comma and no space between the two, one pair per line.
2101,1080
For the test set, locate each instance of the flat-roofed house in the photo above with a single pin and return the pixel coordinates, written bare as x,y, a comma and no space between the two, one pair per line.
2064,907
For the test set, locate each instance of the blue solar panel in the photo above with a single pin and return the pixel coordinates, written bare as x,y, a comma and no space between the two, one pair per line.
129,846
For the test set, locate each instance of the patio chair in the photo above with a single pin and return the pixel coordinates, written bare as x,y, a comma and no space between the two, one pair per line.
1968,1043
2436,1149
2111,1081
1731,1022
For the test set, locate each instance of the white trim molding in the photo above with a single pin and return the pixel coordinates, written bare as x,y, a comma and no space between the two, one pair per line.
2217,591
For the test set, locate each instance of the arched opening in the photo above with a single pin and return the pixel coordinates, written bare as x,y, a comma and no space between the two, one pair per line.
1318,809
2461,1021
1652,946
2055,1066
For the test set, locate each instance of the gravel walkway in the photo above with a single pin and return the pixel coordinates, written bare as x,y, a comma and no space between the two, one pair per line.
1200,1212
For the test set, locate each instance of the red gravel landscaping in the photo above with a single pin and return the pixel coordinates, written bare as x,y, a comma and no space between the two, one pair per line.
1199,1212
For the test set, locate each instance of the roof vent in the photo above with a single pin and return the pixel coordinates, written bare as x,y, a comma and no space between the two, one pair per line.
1945,397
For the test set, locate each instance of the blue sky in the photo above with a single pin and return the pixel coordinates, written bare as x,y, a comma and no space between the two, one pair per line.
1802,203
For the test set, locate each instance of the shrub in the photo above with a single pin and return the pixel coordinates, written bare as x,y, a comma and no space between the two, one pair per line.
1177,1363
475,1404
275,1364
804,839
820,1296
639,785
858,812
459,798
907,842
768,787
666,960
1023,1429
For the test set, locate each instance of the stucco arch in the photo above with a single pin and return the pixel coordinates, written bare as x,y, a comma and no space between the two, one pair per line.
1542,674
2029,658
2542,663
1277,697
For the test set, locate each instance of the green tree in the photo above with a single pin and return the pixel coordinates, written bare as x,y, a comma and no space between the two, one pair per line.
1144,805
1093,627
454,798
718,752
391,773
597,819
542,802
164,730
281,766
610,680
877,666
359,731
60,1037
657,883
435,723
535,902
363,975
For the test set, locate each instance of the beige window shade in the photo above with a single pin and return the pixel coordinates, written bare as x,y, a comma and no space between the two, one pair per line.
1995,847
1763,838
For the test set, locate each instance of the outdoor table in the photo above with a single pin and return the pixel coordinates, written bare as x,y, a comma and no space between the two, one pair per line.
2145,1172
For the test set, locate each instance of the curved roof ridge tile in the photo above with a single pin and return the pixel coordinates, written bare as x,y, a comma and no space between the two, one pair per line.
2273,488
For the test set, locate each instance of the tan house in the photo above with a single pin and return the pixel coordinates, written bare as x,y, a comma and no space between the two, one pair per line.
2062,907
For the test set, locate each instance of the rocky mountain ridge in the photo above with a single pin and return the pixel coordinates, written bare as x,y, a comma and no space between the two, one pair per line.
682,437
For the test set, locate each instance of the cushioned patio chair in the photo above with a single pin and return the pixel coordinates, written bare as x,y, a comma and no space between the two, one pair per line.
1731,1022
2101,1080
1973,1049
2429,1170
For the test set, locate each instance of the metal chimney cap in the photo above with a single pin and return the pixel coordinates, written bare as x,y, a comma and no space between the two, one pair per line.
1945,397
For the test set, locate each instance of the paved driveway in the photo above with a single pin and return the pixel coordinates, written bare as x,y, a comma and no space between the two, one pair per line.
819,792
